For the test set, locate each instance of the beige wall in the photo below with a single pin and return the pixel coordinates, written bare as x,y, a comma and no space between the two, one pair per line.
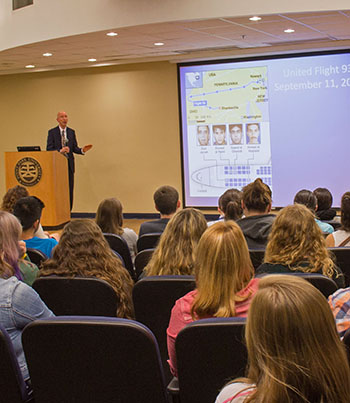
129,113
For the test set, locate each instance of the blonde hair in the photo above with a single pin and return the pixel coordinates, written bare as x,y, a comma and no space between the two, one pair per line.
83,251
294,351
176,250
223,268
295,239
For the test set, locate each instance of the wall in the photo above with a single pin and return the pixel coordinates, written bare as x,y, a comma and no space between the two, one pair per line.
129,113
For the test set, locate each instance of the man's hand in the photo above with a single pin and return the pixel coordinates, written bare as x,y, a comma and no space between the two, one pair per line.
87,148
64,150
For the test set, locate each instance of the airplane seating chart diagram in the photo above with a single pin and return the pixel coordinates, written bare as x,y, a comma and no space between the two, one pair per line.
228,130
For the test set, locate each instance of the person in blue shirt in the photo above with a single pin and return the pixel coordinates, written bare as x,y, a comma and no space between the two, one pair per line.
308,199
28,211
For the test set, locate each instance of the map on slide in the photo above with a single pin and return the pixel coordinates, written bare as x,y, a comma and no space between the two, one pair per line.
228,131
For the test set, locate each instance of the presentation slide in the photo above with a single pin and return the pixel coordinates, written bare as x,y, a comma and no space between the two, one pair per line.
285,120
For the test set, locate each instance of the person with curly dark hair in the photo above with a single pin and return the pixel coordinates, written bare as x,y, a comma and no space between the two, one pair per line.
84,252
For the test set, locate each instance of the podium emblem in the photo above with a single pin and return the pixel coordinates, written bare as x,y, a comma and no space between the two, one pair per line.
28,171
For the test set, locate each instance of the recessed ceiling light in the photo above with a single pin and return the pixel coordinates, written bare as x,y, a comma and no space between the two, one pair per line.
289,31
47,54
255,18
30,66
111,34
158,44
92,60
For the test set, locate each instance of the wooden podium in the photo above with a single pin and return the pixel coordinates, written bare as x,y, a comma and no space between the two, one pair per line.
45,175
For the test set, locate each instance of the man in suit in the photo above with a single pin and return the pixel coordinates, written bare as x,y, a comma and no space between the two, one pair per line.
62,139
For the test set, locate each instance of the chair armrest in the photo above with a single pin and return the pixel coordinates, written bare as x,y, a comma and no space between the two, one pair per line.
173,390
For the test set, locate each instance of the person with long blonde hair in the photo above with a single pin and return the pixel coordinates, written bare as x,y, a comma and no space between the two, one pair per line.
175,253
224,279
84,252
109,218
296,244
294,352
19,303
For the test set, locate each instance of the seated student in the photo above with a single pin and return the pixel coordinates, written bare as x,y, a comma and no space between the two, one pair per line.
308,199
109,218
341,237
340,306
14,249
166,200
296,244
294,352
10,199
28,211
324,202
230,206
84,252
19,305
225,282
176,251
257,221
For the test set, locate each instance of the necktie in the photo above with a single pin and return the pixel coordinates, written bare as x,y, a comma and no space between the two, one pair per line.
63,139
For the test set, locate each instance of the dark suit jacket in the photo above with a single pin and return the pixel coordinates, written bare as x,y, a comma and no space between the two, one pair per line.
54,142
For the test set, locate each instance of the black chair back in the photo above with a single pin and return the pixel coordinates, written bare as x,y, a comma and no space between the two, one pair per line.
346,341
257,257
209,353
148,241
342,256
119,245
77,296
154,298
97,360
325,284
36,256
141,260
12,386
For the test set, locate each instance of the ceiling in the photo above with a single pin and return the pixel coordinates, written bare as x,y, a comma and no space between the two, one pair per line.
184,40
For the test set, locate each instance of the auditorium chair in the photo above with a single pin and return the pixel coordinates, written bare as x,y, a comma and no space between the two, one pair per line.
324,284
346,341
141,260
148,241
93,359
119,245
210,353
77,295
12,386
342,256
36,256
154,298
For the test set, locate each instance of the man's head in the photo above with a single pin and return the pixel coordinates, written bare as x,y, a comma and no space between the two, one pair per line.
28,211
253,133
62,119
166,200
236,134
203,135
219,134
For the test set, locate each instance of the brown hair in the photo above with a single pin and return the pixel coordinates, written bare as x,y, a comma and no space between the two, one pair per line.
83,251
257,196
324,198
294,350
345,211
307,198
230,203
177,246
223,268
296,238
12,196
109,216
166,198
